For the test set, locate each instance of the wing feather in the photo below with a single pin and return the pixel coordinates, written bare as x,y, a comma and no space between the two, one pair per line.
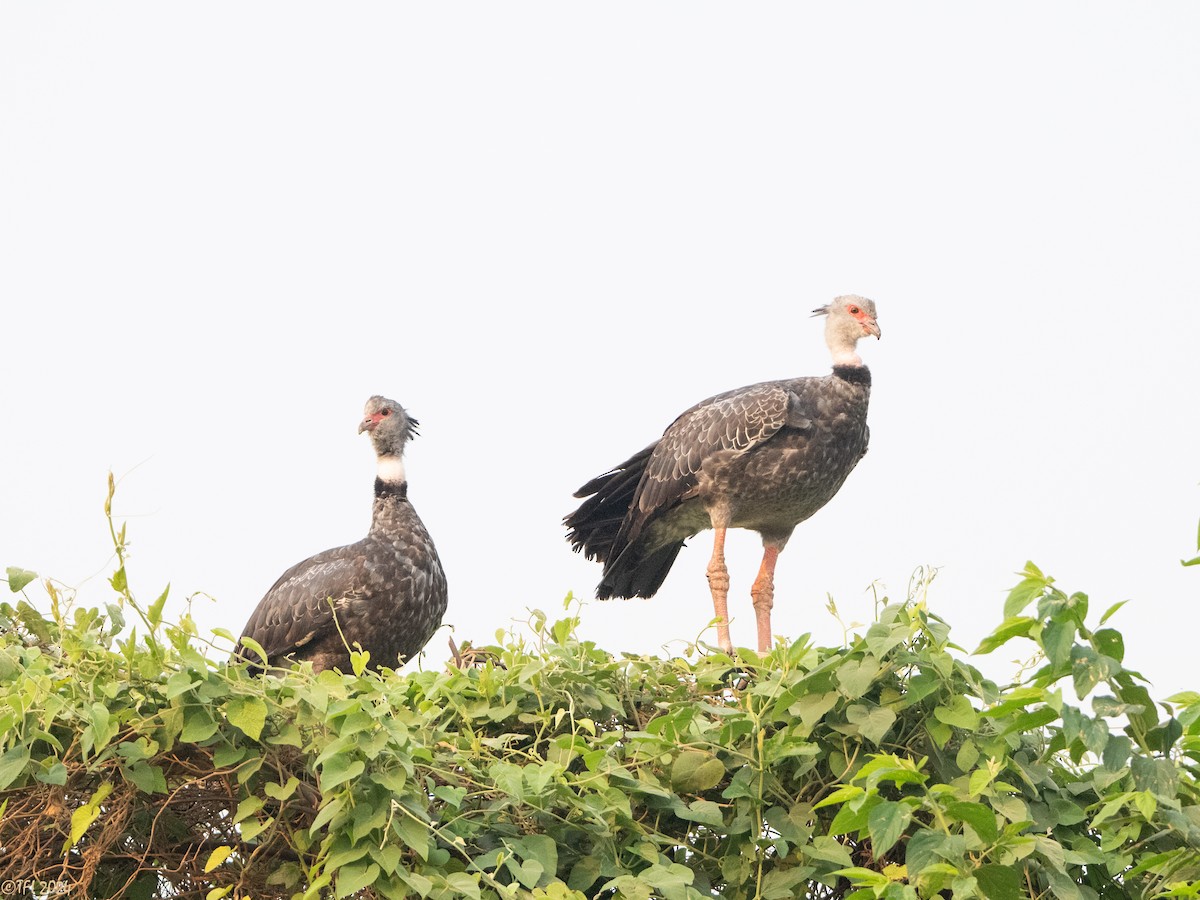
727,424
297,607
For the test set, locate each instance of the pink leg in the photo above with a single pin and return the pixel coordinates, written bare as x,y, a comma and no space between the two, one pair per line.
763,593
718,584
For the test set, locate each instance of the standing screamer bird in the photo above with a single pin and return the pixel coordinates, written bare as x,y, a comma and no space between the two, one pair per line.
388,590
763,457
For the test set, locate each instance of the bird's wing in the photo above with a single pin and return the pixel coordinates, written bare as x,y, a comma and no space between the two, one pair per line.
729,423
297,607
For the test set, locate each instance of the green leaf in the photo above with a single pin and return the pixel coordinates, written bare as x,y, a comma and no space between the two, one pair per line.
939,732
256,648
1014,626
786,884
102,729
1145,715
339,769
1066,812
1107,706
979,817
287,735
1026,590
180,683
1095,734
453,796
83,817
248,714
1016,699
1063,886
1110,643
56,774
999,882
1108,613
812,707
247,808
858,875
1116,752
19,578
979,781
414,834
1058,636
12,765
538,848
584,874
1146,804
252,828
926,847
854,817
528,873
886,823
389,857
154,613
670,880
1031,721
705,812
855,676
281,791
1077,606
958,712
841,795
1158,776
873,723
827,850
198,725
1089,668
462,883
695,771
354,877
967,756
148,778
330,809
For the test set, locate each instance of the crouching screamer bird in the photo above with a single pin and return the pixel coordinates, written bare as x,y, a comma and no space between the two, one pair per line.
386,593
763,457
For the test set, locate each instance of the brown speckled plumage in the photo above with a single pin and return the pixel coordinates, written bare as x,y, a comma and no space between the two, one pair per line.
763,457
388,590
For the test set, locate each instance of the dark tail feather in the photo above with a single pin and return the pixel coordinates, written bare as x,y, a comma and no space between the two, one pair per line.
599,528
632,574
593,527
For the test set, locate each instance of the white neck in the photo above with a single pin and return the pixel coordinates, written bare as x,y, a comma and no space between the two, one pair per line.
845,356
842,347
391,469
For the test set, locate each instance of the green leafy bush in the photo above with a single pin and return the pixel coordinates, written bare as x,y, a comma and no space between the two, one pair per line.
135,765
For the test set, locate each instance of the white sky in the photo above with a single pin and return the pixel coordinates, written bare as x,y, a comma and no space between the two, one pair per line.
548,228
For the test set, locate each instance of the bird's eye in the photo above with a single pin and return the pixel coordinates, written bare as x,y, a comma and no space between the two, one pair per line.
854,310
386,412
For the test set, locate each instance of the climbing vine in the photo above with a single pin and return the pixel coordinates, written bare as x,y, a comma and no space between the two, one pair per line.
136,762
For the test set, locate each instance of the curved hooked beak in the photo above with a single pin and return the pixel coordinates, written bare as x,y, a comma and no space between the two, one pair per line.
870,326
369,423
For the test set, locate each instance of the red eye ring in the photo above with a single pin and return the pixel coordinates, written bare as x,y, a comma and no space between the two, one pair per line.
386,412
854,310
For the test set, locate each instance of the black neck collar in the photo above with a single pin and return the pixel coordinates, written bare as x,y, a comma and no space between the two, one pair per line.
853,374
391,489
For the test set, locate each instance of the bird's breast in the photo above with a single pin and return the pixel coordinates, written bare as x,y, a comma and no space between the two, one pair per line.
785,480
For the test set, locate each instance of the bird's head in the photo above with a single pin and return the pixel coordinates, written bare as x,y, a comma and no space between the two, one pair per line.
848,318
390,428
